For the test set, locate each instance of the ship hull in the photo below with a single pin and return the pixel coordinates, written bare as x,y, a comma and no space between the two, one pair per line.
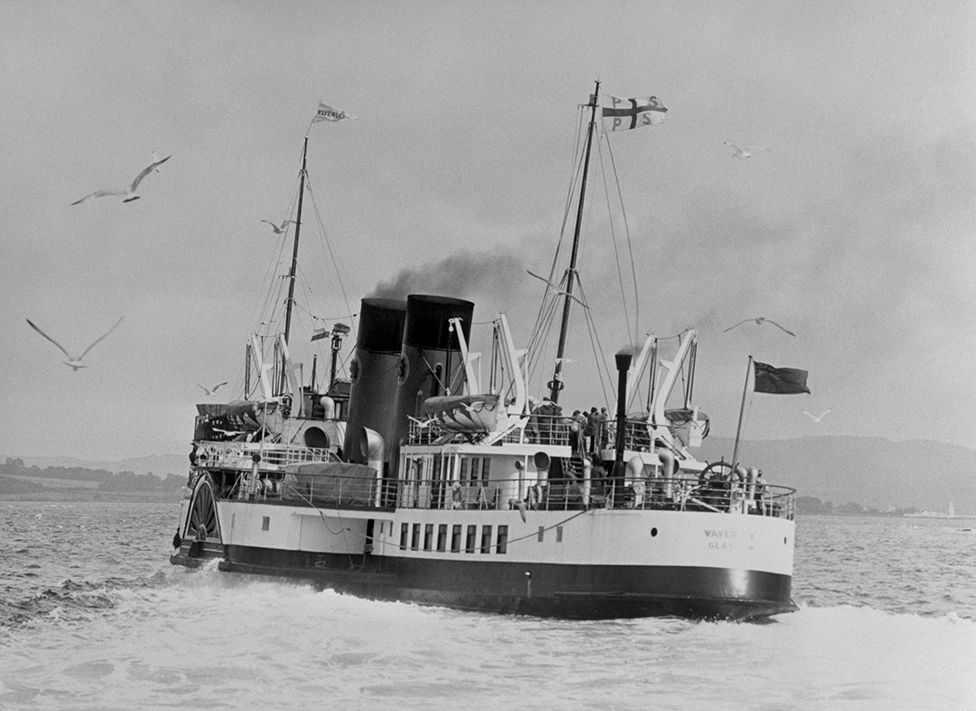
539,589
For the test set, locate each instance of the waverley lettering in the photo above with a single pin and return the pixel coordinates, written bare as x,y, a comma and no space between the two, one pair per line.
724,539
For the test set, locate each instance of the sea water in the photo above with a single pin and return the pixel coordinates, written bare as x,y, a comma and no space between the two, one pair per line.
93,616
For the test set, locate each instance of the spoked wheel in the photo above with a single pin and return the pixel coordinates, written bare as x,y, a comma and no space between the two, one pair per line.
202,523
716,470
715,484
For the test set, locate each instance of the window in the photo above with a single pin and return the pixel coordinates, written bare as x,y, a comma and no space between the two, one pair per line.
486,539
559,534
465,466
456,538
471,539
542,533
502,546
415,539
404,534
442,537
265,523
428,536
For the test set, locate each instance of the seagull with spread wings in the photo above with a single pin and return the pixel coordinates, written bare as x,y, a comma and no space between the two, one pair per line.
760,320
211,391
72,362
816,418
129,192
279,229
744,152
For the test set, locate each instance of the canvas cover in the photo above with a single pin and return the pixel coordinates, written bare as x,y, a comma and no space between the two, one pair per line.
329,484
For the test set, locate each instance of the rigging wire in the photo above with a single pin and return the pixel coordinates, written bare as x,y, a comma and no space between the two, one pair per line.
274,267
324,236
630,245
613,241
597,349
546,314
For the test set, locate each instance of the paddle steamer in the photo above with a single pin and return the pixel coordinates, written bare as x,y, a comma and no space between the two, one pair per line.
418,480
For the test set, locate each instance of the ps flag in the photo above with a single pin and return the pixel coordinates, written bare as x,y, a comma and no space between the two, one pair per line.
625,114
327,113
779,381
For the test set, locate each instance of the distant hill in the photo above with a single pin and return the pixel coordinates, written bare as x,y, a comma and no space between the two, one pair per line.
159,464
869,470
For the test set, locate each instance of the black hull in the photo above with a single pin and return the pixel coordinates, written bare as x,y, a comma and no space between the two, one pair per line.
543,590
196,553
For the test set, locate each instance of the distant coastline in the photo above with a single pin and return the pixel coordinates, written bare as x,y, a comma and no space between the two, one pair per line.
19,482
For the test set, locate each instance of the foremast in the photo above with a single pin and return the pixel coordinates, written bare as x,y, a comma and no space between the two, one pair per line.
289,304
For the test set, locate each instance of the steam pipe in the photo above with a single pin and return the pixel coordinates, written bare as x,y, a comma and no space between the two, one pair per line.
371,447
623,359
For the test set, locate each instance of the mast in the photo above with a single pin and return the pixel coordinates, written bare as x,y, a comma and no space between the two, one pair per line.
556,384
294,253
290,301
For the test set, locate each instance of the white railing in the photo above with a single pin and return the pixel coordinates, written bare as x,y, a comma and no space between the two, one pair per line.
651,494
241,455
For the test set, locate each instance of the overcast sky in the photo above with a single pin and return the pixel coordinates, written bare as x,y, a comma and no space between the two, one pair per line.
855,230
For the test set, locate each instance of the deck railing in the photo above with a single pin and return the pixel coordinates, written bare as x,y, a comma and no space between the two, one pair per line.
540,429
682,493
240,455
678,494
548,429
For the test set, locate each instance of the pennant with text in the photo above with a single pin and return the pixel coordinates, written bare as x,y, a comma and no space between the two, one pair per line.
625,114
327,113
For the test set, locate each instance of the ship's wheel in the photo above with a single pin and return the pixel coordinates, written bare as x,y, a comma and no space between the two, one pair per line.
203,512
716,470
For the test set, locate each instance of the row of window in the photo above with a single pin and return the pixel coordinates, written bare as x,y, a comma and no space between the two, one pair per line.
472,469
410,537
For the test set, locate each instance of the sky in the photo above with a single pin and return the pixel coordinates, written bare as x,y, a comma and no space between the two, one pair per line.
854,230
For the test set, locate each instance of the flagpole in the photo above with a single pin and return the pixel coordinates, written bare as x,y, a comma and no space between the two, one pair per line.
742,408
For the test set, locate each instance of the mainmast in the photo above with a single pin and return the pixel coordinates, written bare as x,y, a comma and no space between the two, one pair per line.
294,254
556,384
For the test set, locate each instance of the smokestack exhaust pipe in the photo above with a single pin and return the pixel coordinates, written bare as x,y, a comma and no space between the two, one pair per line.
623,358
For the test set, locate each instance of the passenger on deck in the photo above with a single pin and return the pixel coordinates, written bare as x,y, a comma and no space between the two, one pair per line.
601,430
760,490
590,433
577,442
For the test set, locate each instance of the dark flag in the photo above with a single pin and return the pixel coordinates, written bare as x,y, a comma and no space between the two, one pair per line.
779,381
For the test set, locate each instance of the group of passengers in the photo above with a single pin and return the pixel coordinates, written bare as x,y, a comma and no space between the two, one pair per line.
588,430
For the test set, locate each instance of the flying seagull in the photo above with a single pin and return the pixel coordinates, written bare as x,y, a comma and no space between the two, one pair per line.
278,229
746,152
816,418
74,363
211,391
760,320
129,192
